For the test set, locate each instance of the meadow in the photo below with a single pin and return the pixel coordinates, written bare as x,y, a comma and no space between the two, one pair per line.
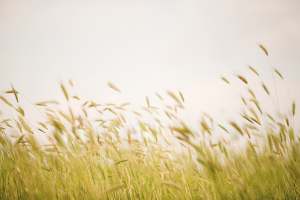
111,159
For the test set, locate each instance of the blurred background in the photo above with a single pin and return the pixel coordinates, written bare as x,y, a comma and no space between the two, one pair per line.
150,46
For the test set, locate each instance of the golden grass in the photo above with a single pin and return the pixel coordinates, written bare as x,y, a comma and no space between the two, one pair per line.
113,158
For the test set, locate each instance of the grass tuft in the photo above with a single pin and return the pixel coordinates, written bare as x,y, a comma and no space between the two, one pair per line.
115,157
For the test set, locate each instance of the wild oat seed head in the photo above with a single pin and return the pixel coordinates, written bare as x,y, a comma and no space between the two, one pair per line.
279,74
253,70
5,100
15,92
224,79
264,49
264,86
65,91
111,85
242,78
181,96
148,103
293,108
71,83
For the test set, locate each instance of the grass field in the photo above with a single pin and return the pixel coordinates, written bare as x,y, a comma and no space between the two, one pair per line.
125,162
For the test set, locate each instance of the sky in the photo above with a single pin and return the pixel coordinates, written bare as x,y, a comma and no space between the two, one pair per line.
150,46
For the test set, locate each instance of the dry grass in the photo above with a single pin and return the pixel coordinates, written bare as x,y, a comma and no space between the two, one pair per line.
109,158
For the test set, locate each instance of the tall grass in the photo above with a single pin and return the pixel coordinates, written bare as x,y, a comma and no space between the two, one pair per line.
118,161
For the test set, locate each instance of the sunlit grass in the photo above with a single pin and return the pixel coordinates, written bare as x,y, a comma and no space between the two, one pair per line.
110,159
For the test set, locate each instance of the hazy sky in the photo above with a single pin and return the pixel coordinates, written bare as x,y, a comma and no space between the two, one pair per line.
149,46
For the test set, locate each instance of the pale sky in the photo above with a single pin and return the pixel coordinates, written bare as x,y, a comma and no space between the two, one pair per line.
150,46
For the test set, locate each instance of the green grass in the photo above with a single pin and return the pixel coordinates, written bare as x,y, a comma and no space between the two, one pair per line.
79,162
